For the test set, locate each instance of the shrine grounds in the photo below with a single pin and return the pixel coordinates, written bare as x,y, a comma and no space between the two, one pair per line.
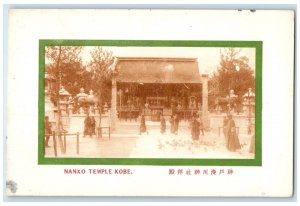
153,145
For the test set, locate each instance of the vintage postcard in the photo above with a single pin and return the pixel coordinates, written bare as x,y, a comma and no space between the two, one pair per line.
171,110
151,102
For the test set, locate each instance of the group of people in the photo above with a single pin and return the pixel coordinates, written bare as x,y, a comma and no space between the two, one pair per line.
196,126
174,121
89,126
231,137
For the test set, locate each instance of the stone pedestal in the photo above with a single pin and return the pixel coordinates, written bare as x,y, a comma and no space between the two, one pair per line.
76,122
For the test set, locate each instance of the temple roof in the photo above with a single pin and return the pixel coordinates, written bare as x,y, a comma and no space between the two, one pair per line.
158,70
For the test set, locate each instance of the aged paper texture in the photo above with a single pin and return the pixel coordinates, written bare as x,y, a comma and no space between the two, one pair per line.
150,103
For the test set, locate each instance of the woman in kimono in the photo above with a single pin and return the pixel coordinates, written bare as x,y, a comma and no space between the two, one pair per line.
93,125
143,127
233,142
195,126
162,124
172,122
87,126
176,123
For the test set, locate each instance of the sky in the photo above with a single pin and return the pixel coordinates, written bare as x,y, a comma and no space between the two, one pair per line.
208,57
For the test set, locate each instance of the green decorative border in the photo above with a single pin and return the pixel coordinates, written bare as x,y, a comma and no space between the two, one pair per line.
153,161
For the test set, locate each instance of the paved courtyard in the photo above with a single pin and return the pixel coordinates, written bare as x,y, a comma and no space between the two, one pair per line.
153,145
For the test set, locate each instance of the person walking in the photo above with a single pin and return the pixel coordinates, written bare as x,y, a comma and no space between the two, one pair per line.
172,122
233,142
162,124
143,127
87,126
93,126
48,131
176,123
195,128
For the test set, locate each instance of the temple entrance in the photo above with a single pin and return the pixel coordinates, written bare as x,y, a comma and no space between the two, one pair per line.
155,86
156,99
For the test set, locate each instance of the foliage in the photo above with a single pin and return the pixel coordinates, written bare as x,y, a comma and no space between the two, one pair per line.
101,69
234,73
64,65
63,54
73,76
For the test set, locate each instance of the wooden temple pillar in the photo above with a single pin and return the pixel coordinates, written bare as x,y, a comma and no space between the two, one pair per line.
205,116
113,110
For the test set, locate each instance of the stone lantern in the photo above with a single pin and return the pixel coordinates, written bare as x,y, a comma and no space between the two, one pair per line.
64,100
249,106
249,101
49,106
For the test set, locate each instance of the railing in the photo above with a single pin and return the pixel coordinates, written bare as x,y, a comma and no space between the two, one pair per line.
63,144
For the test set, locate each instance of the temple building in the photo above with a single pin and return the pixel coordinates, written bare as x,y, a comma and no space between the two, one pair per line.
158,86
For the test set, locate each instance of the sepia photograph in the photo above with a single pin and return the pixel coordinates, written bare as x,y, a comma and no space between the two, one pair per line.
149,102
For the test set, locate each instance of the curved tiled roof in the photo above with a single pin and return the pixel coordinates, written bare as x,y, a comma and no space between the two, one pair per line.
158,70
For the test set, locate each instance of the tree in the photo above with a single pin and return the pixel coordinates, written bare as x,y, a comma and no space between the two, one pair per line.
73,77
102,67
59,58
65,66
213,91
234,73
